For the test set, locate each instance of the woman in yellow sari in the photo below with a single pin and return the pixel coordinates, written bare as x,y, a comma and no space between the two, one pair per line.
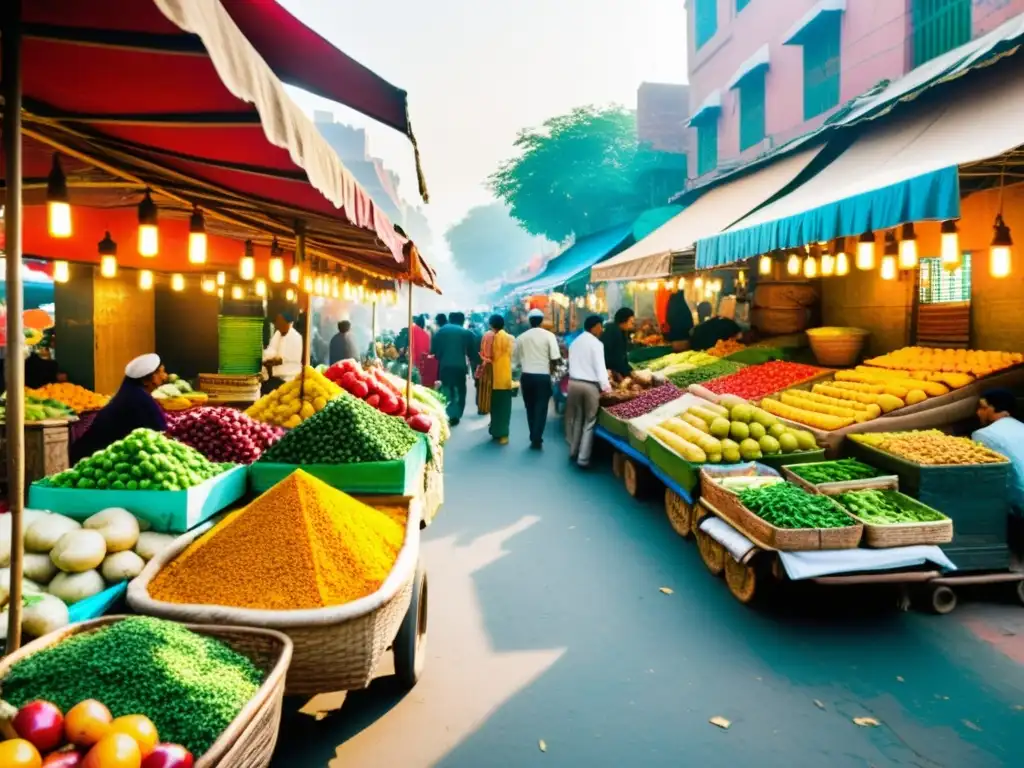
501,370
485,375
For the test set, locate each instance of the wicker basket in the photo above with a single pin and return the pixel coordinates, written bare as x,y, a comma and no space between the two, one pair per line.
335,649
882,483
727,505
837,347
249,741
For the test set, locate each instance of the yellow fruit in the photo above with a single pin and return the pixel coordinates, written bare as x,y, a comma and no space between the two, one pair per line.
821,421
916,396
319,402
306,411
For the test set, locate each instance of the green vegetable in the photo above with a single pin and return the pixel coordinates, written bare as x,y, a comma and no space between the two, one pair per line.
785,505
346,431
703,373
189,685
841,471
887,508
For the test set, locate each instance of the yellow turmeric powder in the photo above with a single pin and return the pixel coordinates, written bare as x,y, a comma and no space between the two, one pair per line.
302,544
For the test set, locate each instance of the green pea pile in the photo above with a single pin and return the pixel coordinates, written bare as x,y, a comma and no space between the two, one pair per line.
191,686
345,431
704,373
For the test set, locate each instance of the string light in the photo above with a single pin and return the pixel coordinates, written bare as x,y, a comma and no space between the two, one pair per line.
1000,255
237,293
295,275
61,272
950,237
247,266
764,264
842,264
307,283
793,264
318,285
828,264
261,287
197,237
108,256
222,278
908,247
58,204
289,295
698,283
866,251
208,284
891,251
149,232
810,267
177,282
145,280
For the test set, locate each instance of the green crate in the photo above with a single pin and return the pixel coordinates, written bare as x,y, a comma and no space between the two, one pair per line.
777,460
615,426
638,445
165,511
673,465
403,477
975,497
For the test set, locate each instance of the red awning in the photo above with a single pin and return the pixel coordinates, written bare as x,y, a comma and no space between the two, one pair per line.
169,94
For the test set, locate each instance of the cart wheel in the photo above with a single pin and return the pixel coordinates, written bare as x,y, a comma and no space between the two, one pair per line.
741,579
618,464
636,479
711,552
1020,591
410,646
942,600
680,514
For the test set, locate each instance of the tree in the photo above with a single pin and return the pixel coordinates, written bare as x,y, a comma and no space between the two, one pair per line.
576,174
487,243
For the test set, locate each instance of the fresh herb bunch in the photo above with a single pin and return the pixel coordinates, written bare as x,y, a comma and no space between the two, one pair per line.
887,508
785,505
841,471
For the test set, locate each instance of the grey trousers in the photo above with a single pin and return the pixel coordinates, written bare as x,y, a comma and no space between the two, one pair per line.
581,406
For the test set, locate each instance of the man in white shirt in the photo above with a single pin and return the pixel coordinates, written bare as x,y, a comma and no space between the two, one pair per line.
282,359
588,378
536,353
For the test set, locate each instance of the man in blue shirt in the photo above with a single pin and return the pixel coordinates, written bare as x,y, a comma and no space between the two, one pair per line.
1004,434
453,346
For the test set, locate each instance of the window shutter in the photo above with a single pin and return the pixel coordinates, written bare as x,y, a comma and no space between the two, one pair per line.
939,26
752,110
707,146
822,67
705,22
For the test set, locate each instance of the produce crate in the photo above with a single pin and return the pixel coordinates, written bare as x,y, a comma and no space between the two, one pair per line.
612,424
880,482
778,460
165,511
637,440
403,477
896,534
673,465
975,497
727,506
808,383
97,605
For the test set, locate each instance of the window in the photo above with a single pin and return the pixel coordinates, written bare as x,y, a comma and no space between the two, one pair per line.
752,109
821,66
707,145
940,286
741,4
939,26
705,21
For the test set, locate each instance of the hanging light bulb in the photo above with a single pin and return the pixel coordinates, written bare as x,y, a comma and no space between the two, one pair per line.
681,284
58,204
842,264
741,278
61,272
237,292
793,264
335,287
891,251
276,266
261,287
289,295
810,267
866,251
149,233
197,237
346,291
908,246
888,271
177,282
307,283
318,285
247,265
208,284
1000,255
108,256
828,264
145,280
764,264
295,275
951,256
222,278
220,293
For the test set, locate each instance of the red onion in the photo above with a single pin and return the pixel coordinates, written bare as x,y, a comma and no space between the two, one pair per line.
645,403
223,434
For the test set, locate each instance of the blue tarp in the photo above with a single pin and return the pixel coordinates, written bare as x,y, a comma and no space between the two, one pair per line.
578,258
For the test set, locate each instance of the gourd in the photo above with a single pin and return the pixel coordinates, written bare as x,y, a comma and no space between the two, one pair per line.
704,441
683,448
886,402
842,402
822,421
798,401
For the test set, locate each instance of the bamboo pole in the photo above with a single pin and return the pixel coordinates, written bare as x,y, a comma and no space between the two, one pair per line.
15,367
408,373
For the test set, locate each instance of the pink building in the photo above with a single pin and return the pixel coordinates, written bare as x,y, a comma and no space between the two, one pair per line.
765,71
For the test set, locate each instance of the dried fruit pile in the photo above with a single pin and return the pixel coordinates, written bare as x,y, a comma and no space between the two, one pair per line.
755,382
931,447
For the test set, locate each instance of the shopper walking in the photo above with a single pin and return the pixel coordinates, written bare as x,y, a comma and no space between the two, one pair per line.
588,378
452,345
501,351
484,374
537,355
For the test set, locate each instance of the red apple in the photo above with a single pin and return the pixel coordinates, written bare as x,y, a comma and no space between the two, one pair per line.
42,724
168,756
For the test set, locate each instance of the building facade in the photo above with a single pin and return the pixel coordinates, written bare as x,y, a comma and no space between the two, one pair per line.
662,110
763,72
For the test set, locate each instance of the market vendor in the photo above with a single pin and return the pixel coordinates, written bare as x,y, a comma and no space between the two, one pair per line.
714,330
615,339
132,407
282,359
679,318
1004,434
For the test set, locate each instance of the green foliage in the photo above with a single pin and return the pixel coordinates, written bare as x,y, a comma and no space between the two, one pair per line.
576,174
487,243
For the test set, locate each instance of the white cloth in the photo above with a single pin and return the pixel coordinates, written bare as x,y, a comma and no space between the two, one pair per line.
586,360
535,350
289,349
142,366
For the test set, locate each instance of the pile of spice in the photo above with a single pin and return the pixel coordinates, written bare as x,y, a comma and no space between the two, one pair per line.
191,686
302,544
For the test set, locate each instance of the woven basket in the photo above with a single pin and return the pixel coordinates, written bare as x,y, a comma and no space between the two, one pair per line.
335,649
896,534
249,741
882,483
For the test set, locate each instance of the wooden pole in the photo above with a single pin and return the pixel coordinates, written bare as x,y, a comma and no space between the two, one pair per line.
15,364
408,373
306,303
373,331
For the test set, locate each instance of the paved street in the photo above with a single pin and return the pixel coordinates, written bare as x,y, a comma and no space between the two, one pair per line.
547,625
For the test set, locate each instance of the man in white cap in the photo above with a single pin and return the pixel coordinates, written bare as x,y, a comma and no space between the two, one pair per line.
133,407
536,354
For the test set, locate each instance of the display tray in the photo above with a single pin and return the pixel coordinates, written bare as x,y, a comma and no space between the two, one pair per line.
612,424
881,482
777,460
974,496
673,465
97,605
636,442
895,534
165,511
403,477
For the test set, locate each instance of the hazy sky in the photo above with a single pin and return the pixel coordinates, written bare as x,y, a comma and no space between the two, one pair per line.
479,70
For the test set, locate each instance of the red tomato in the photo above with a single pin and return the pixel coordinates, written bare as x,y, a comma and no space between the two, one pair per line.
41,723
140,728
87,722
73,759
18,753
168,756
115,750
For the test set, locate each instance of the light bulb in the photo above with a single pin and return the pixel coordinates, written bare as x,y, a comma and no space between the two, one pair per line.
276,269
950,250
289,295
247,265
61,272
307,283
149,233
220,293
58,206
59,219
222,278
698,283
318,286
209,285
145,279
888,271
177,282
261,287
681,284
197,238
237,293
828,265
810,267
1000,255
764,265
294,275
793,264
908,247
842,264
108,266
866,251
346,291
